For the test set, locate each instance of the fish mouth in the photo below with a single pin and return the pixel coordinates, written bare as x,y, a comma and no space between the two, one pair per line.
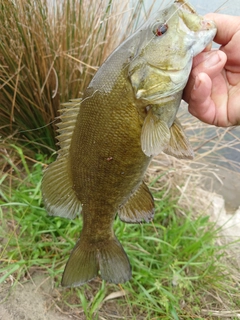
185,8
199,31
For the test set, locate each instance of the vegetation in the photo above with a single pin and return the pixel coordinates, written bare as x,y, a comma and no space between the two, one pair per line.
49,54
181,267
178,267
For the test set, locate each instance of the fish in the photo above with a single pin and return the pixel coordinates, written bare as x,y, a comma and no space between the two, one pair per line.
126,115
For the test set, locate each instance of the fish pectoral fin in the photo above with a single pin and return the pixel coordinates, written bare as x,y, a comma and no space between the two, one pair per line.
139,206
155,135
87,259
58,195
179,145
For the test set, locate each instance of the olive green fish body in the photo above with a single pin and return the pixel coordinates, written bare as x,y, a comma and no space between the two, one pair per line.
107,166
105,149
107,139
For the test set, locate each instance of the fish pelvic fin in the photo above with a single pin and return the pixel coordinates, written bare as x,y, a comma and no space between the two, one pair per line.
87,259
139,206
58,196
155,135
179,145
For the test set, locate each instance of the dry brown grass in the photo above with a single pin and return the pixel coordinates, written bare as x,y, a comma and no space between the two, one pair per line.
49,52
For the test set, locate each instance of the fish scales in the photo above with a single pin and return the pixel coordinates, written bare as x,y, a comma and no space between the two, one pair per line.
126,116
111,143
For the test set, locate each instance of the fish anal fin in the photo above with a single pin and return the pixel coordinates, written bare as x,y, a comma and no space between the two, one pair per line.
58,195
139,207
87,259
179,145
155,134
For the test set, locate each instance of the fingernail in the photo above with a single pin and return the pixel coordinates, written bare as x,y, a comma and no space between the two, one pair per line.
212,59
196,83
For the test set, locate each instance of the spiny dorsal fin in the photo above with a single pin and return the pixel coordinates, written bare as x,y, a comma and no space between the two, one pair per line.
68,119
58,195
139,206
179,146
155,135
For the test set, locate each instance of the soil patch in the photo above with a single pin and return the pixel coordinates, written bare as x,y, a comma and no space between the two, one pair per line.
28,301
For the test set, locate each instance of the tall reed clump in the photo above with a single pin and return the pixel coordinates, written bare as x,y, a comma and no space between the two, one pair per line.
49,52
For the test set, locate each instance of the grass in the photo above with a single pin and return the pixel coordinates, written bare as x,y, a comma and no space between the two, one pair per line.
178,267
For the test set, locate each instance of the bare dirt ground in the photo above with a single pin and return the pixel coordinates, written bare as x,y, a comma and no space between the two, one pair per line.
32,300
36,298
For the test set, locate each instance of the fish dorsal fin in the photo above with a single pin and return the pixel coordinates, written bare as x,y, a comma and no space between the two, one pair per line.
155,134
68,118
138,207
58,195
179,146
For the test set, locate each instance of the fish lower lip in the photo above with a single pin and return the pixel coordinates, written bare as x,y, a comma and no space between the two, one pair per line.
208,24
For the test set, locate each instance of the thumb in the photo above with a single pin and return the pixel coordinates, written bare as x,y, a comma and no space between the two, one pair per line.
211,63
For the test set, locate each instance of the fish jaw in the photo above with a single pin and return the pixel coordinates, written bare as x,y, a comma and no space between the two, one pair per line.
200,31
203,35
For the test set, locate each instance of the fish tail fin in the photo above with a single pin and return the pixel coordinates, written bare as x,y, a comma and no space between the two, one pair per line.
86,260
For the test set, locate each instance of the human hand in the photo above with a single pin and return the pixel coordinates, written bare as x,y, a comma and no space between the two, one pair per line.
213,88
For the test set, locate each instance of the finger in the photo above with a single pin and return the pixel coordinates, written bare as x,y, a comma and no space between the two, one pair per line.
200,103
210,63
232,50
227,26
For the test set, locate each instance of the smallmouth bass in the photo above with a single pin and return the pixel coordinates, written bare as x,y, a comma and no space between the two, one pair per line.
126,116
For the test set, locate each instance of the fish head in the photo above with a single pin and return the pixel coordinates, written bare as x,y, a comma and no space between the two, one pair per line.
164,48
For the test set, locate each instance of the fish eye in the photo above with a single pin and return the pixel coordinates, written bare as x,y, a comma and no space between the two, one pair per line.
160,29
